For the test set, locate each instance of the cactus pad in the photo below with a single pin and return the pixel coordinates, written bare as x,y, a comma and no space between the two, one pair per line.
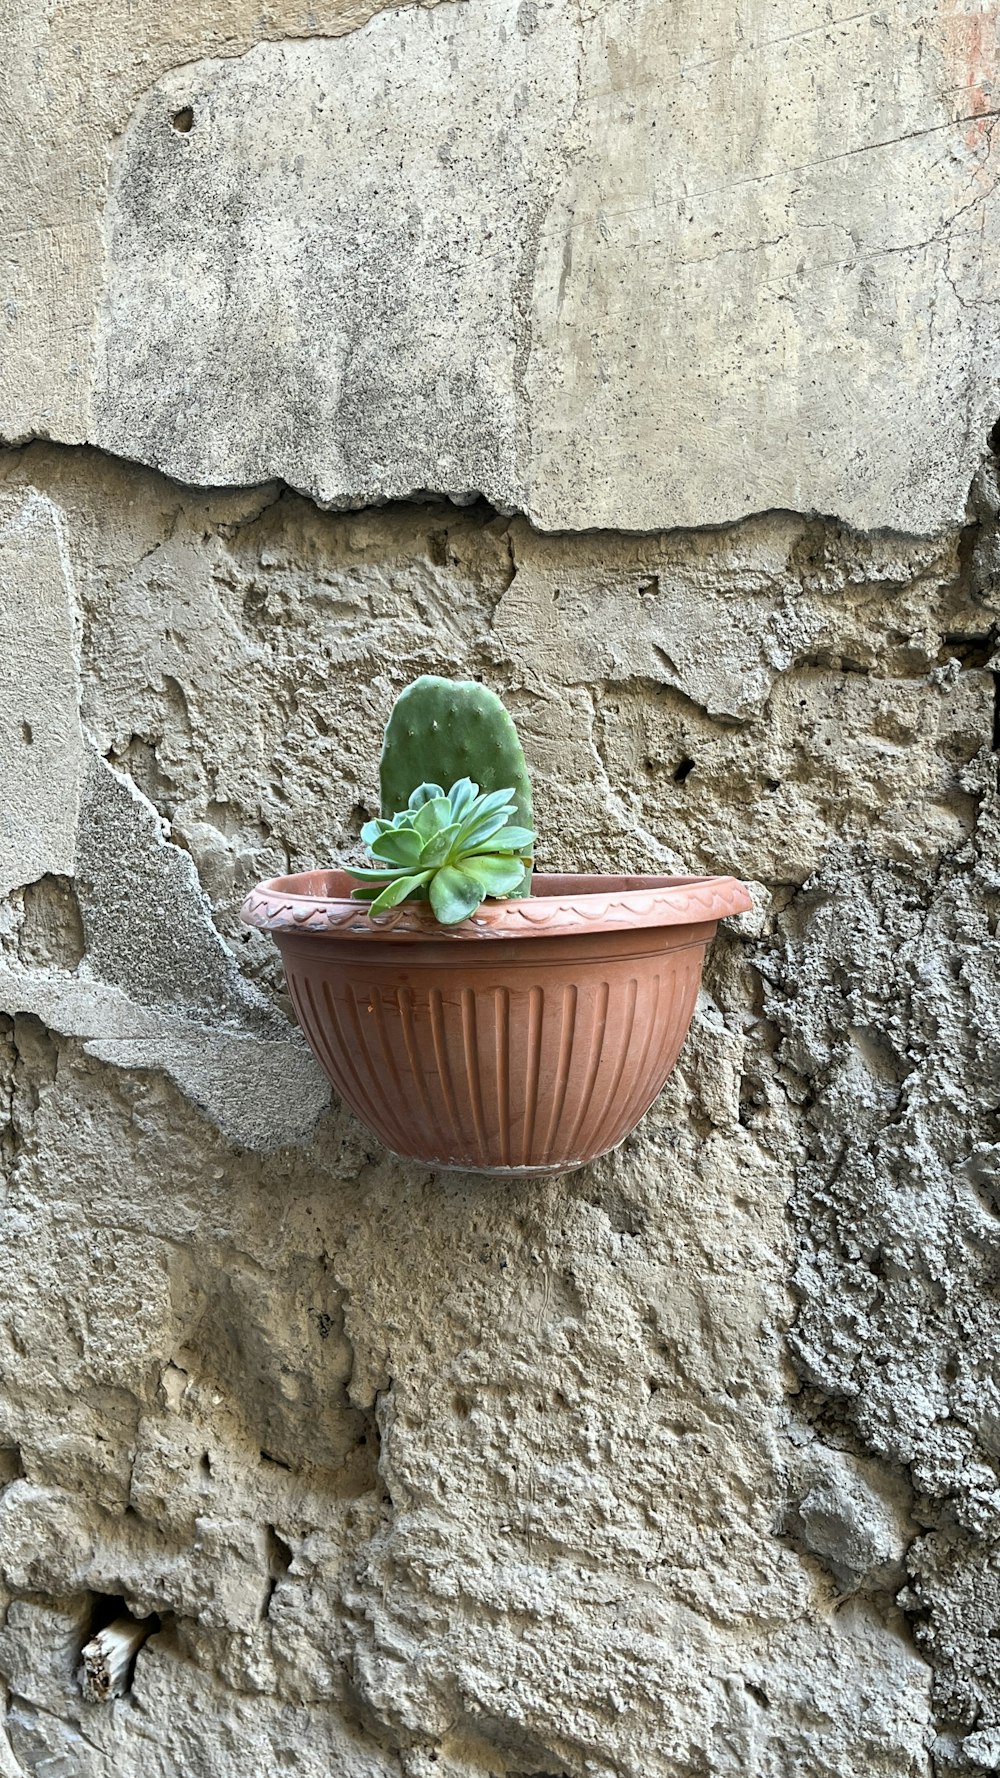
441,730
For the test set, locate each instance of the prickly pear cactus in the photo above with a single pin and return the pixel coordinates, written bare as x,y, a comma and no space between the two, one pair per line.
441,730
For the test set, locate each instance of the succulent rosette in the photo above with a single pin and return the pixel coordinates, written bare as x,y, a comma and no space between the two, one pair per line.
453,848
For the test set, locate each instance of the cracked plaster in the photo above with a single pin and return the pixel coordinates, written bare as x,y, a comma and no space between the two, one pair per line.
685,1466
424,1478
373,262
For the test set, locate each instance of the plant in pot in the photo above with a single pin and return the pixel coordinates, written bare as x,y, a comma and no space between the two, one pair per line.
477,1014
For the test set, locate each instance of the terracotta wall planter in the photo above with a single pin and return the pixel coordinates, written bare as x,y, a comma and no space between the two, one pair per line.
530,1039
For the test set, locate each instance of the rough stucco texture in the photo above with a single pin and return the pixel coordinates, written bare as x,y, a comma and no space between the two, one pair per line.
686,1465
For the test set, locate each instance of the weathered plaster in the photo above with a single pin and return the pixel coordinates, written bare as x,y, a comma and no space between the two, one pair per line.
620,268
70,75
684,1466
615,268
896,1208
262,1093
423,1477
159,988
41,743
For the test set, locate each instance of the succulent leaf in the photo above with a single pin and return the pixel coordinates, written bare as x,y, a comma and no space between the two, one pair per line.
437,850
497,799
423,794
509,839
454,895
372,829
460,731
432,817
453,849
495,876
372,873
399,846
397,891
461,795
478,829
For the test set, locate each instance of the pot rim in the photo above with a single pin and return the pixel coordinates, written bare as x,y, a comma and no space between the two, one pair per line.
317,903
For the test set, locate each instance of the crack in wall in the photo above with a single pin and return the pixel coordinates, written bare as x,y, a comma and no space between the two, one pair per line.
332,576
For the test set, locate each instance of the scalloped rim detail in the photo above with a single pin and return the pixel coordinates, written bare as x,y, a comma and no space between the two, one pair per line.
305,904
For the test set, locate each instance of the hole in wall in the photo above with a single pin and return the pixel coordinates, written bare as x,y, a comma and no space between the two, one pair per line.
183,120
106,1607
11,1464
279,1552
27,734
683,770
279,1561
107,1660
278,1462
971,651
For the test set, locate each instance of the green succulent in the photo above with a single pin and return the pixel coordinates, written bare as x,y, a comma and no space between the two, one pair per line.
452,848
446,729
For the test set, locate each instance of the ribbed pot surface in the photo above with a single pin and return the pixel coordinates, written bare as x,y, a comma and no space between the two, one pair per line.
530,1044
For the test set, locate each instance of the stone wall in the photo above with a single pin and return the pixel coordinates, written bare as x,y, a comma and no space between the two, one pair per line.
530,347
